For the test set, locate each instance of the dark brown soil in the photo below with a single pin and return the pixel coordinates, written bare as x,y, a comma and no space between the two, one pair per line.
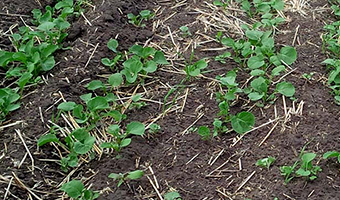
180,161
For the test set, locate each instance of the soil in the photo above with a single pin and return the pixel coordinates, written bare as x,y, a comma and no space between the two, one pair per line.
180,160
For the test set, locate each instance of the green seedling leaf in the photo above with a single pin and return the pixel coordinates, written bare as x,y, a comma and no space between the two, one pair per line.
112,45
277,70
63,4
154,128
135,128
255,96
288,55
107,62
286,88
221,58
131,69
85,146
308,157
23,80
265,162
242,122
159,58
13,107
97,103
47,139
110,97
287,171
115,176
148,51
195,69
278,5
116,115
78,113
113,130
331,154
260,85
109,145
254,35
136,97
49,50
145,13
5,58
86,97
172,196
302,172
46,26
136,49
89,195
228,42
204,132
255,62
85,141
185,31
48,64
218,3
74,188
115,80
81,134
67,106
125,142
137,174
95,84
150,66
257,72
229,79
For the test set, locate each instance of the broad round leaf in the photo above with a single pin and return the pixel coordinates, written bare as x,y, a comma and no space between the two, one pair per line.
48,64
254,35
255,96
107,62
148,51
115,80
126,142
115,176
46,26
286,89
86,97
112,45
150,66
242,122
145,13
95,84
159,58
331,154
83,148
255,62
259,84
288,54
135,128
277,70
257,72
13,107
229,79
81,134
47,139
135,174
172,196
302,172
67,106
73,188
97,103
204,132
201,64
308,157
